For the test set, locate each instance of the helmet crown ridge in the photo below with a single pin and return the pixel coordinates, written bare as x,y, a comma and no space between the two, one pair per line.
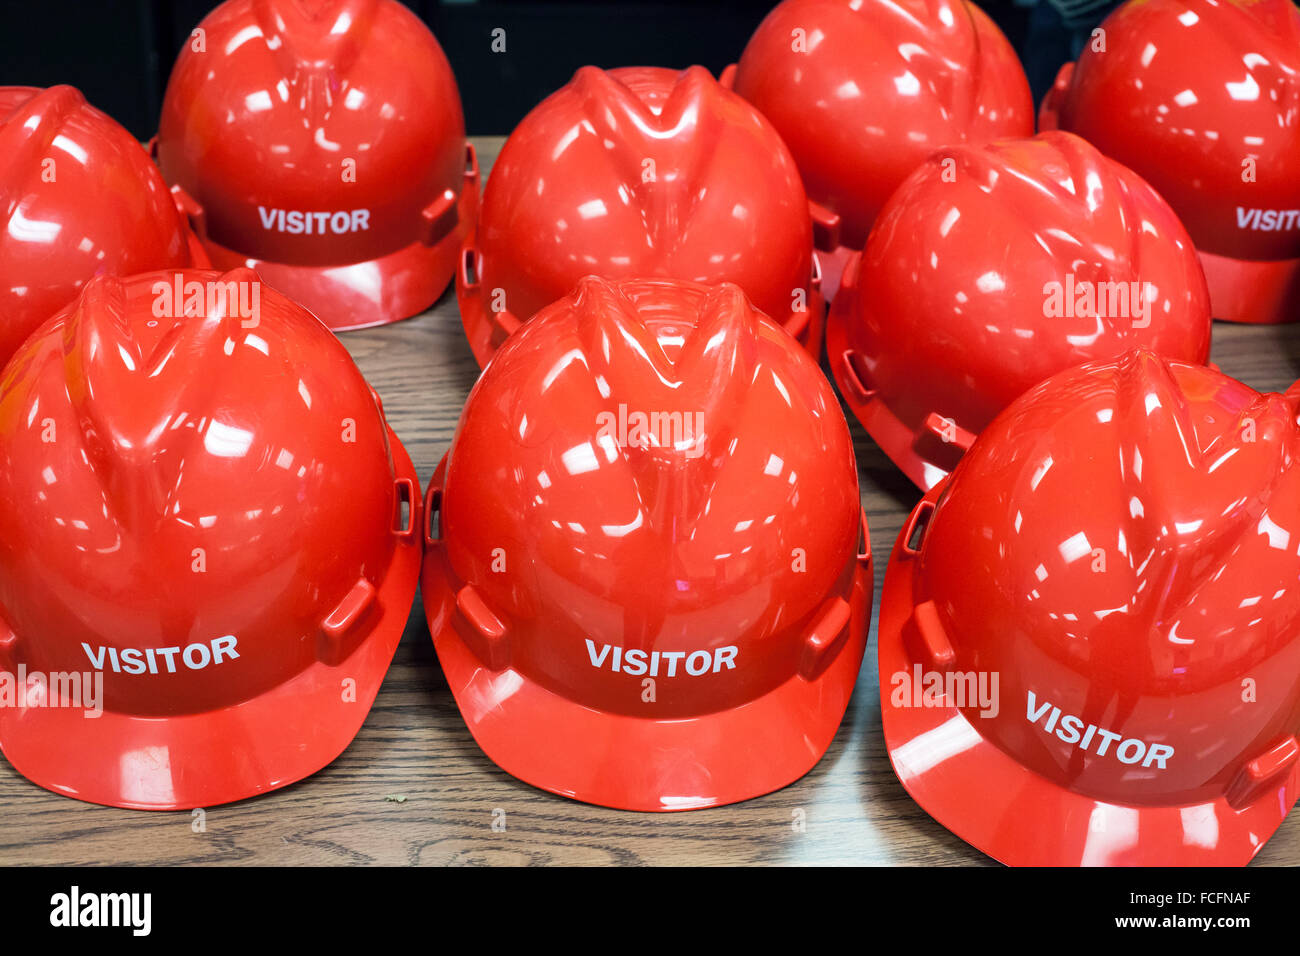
1061,173
1187,440
27,131
126,391
1078,174
1181,445
713,352
946,19
949,53
635,109
671,366
319,34
632,91
1270,24
702,382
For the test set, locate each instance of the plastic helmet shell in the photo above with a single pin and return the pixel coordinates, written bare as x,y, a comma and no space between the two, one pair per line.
992,268
1102,600
649,546
323,145
80,198
208,517
863,90
1203,100
640,172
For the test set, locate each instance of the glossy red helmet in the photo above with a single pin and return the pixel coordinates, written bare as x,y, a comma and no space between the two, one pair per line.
992,268
648,550
321,142
640,172
208,514
1090,633
1202,98
863,90
79,198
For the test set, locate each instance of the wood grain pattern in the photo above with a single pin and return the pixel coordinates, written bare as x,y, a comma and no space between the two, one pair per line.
415,744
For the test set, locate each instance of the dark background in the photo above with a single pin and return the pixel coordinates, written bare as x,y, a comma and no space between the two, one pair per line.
119,52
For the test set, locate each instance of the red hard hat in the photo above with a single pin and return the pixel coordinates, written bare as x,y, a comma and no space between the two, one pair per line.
647,588
992,268
207,513
863,90
640,172
321,142
1203,100
1088,633
79,198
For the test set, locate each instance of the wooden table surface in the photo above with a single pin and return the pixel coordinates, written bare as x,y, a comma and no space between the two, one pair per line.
414,743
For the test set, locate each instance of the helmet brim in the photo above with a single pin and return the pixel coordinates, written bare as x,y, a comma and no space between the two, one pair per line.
638,763
1252,291
362,295
206,759
983,795
894,437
